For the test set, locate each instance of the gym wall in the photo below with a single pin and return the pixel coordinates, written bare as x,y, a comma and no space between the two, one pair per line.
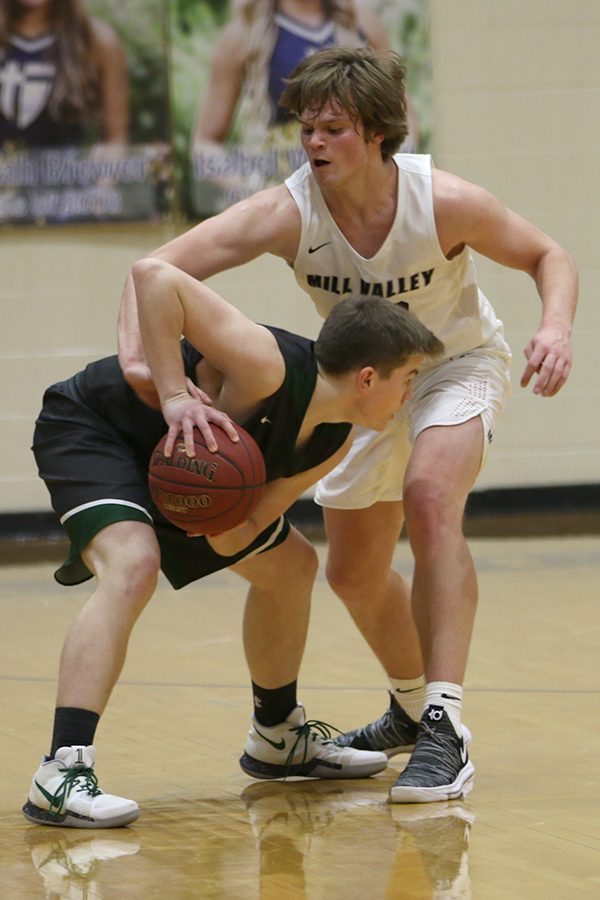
516,97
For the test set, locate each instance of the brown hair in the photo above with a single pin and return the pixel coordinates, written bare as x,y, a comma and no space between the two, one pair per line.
367,84
369,331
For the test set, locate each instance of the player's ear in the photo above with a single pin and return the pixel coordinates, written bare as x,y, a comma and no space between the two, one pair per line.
377,137
365,379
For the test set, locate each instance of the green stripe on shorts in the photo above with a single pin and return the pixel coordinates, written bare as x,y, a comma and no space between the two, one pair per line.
82,526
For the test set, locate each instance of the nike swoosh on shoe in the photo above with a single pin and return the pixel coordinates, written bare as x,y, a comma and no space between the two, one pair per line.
278,745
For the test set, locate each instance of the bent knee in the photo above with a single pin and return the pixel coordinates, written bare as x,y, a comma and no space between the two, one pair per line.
300,560
142,576
350,582
130,563
431,521
431,506
309,562
295,562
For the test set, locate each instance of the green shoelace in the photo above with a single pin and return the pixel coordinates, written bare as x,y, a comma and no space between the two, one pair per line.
306,732
70,781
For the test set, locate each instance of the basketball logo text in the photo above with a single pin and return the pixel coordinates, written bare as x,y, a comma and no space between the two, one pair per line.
179,503
207,469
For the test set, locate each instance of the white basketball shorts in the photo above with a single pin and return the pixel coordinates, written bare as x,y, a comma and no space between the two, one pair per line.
473,384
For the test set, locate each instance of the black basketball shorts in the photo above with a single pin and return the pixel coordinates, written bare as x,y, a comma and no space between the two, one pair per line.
96,478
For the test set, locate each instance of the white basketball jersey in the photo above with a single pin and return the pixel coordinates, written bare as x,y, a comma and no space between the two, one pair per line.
408,268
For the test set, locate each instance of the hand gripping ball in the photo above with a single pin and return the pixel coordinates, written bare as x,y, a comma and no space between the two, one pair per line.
211,492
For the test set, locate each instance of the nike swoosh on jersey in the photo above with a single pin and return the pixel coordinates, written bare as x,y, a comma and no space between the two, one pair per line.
318,247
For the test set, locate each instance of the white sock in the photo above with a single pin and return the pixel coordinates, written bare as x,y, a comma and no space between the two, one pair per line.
448,695
410,694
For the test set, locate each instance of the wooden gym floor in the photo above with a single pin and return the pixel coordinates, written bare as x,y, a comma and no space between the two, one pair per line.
176,725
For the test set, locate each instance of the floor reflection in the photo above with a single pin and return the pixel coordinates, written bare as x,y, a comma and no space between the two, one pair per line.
69,861
372,847
440,834
303,839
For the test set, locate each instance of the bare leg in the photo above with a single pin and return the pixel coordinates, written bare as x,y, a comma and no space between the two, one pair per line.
275,627
442,469
361,548
125,559
277,610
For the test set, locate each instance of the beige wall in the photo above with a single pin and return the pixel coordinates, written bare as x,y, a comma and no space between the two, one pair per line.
517,109
60,292
516,94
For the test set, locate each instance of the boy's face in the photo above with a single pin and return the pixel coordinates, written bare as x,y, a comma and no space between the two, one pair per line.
335,144
380,398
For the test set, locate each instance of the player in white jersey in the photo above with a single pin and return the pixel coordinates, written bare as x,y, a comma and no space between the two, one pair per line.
409,268
359,220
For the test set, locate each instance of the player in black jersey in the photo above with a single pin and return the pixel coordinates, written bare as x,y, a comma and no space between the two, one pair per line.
92,443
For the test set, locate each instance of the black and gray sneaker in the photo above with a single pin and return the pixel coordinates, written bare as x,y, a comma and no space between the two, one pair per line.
439,768
394,732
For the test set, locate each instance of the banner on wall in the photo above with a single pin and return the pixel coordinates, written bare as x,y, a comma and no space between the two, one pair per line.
229,59
88,125
84,112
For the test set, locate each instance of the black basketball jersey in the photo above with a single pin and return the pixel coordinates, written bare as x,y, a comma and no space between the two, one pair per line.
274,426
94,438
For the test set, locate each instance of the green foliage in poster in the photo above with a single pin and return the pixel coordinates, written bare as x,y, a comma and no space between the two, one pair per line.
142,28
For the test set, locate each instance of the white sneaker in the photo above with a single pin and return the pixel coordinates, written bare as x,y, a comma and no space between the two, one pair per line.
64,791
300,748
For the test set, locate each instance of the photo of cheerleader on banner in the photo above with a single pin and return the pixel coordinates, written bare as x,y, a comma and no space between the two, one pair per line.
84,111
229,60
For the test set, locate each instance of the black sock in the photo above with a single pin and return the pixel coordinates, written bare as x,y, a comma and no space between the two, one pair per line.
73,727
272,706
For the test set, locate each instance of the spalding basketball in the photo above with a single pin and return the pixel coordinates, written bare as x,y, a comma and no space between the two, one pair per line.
208,493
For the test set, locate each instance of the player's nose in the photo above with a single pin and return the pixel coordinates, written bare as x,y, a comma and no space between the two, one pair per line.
316,139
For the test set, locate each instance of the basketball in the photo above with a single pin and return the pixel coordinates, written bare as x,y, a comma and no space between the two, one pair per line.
211,492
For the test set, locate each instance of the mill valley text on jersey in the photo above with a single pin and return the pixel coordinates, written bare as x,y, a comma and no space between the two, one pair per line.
355,286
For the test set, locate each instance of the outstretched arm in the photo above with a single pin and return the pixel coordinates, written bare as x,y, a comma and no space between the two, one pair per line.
548,353
268,222
467,214
171,303
132,357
